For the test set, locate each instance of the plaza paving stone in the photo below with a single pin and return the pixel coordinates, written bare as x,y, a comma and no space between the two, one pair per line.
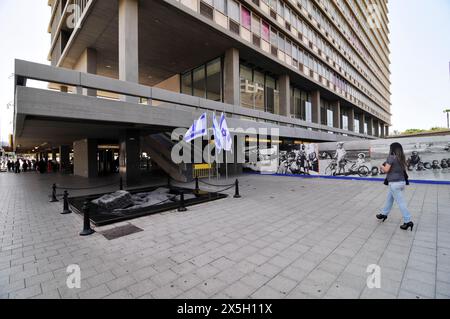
287,237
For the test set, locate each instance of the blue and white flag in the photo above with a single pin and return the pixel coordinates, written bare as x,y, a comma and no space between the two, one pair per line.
218,139
226,135
198,129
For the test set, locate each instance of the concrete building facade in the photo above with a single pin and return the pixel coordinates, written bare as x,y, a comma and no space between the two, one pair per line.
122,70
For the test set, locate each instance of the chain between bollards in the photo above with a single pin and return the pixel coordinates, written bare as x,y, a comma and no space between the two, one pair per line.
87,230
66,209
54,199
236,192
182,207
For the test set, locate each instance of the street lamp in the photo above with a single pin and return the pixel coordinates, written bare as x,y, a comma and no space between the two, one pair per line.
448,117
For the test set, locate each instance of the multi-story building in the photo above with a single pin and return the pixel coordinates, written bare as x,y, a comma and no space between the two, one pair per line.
316,69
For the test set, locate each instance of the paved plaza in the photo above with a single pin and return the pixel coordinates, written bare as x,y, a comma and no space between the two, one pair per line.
286,238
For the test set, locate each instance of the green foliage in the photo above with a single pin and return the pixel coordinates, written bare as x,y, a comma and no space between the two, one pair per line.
416,130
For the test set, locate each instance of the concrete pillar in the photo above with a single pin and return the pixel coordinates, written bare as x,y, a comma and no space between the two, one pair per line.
232,86
370,126
382,130
351,119
387,130
285,95
129,159
64,157
54,154
85,158
362,121
337,114
129,44
88,64
315,105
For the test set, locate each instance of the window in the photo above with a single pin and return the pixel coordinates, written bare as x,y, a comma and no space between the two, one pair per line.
281,42
256,25
245,18
258,79
220,5
199,82
272,95
214,80
265,31
233,10
247,87
186,83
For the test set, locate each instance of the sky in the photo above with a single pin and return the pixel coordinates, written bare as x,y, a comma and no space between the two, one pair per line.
420,56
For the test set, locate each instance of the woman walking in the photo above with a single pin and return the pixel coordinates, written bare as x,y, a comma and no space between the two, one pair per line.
397,178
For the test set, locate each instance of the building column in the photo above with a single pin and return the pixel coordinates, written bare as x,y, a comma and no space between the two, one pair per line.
387,130
370,126
85,158
129,44
54,154
64,157
285,95
351,119
129,159
362,121
337,114
382,130
232,82
315,105
88,64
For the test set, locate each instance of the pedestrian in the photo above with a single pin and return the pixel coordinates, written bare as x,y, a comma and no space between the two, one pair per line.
10,166
25,166
17,167
395,167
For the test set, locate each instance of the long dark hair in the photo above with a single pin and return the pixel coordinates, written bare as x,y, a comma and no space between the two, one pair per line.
397,151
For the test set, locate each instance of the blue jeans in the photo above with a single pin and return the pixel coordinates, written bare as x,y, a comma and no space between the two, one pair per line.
396,193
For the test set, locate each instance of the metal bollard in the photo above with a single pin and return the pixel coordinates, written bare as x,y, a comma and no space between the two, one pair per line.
54,199
182,207
197,187
236,192
87,230
66,209
121,183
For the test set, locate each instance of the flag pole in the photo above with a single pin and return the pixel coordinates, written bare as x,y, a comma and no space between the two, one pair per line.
209,155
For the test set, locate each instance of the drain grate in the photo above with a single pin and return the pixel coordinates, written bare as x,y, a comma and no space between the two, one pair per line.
121,231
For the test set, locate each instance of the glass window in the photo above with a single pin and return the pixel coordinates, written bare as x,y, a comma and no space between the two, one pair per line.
345,122
288,48
233,10
220,5
247,87
256,25
214,80
186,83
308,111
258,79
272,95
199,82
265,31
245,18
281,42
273,37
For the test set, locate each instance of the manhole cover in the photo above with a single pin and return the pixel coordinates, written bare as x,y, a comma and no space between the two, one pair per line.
121,231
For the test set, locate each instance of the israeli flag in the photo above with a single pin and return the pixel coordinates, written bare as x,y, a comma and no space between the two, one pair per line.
198,129
218,139
226,135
